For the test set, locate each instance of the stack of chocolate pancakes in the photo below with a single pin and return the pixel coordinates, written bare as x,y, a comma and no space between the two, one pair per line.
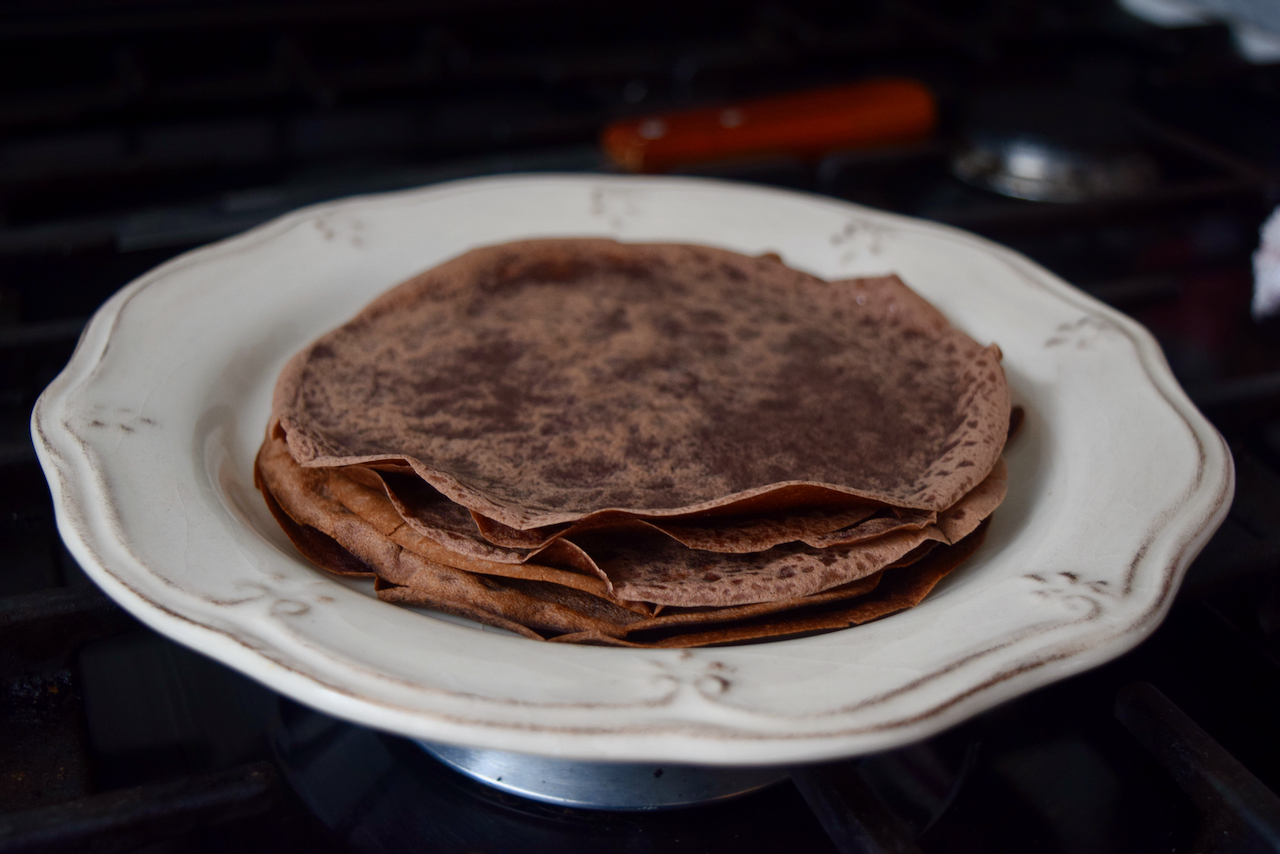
640,444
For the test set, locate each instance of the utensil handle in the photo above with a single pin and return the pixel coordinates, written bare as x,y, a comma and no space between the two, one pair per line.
805,124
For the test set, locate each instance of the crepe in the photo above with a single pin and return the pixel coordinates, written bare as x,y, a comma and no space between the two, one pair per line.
542,607
659,570
654,445
543,610
539,383
895,591
629,561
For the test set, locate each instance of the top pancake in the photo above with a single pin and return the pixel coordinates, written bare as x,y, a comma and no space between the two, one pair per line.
544,381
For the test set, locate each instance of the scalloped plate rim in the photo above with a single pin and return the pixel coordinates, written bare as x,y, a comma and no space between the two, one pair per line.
82,522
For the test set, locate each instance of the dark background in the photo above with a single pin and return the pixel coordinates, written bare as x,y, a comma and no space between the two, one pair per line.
131,132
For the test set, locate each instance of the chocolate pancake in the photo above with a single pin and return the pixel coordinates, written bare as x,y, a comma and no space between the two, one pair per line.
630,563
539,607
432,515
361,520
338,540
541,383
896,591
651,568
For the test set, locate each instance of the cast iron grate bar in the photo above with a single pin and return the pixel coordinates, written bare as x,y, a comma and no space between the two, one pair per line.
45,627
126,819
1239,813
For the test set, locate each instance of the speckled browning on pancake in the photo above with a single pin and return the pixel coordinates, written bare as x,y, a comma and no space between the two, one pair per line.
319,519
632,562
655,569
897,591
538,605
450,590
433,515
652,568
904,520
540,382
369,536
428,513
756,534
364,522
316,546
958,521
649,566
761,528
422,586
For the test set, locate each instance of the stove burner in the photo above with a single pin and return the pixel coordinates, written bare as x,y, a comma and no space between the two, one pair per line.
376,793
1053,146
603,785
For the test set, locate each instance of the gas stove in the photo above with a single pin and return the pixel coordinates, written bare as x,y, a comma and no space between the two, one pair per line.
131,136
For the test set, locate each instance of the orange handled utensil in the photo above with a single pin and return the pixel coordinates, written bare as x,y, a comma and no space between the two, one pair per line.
805,124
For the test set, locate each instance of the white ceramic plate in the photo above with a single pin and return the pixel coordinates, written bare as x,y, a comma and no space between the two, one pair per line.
149,434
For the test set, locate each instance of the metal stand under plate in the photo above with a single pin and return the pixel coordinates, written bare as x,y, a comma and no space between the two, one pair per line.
603,785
